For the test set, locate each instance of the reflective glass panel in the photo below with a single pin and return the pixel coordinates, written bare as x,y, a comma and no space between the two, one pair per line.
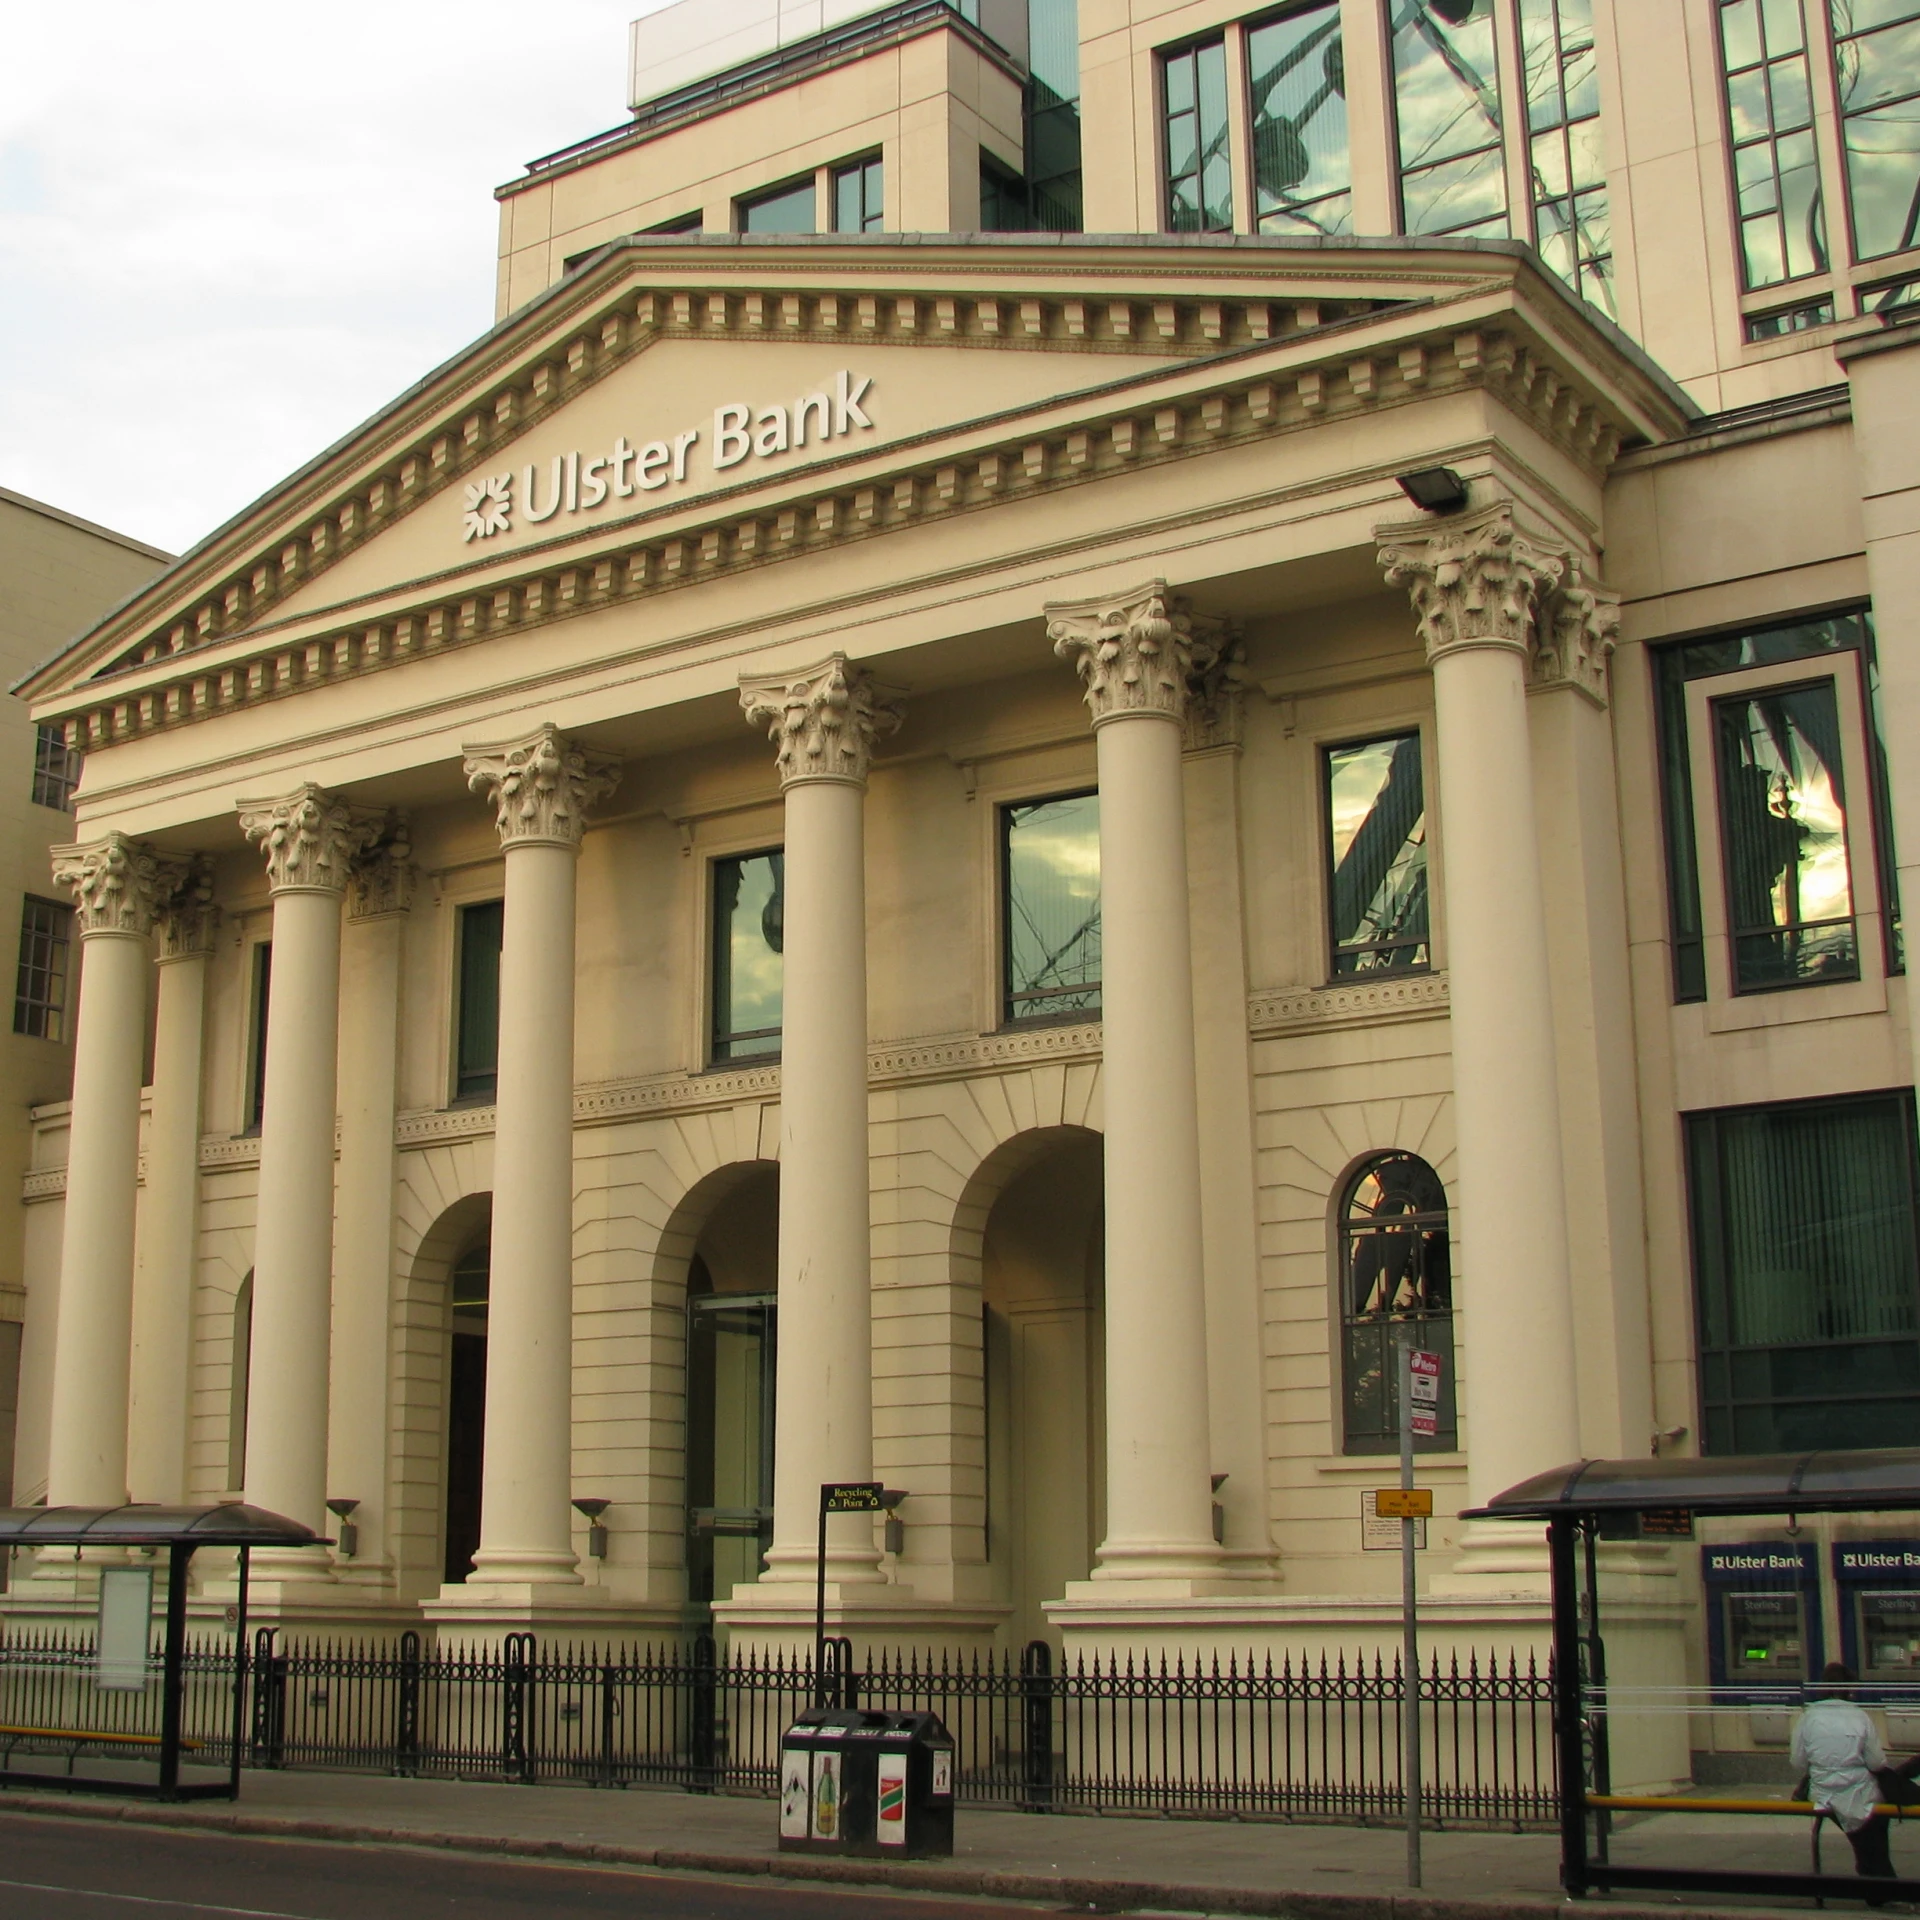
858,199
1396,1282
1876,51
1570,218
1784,836
788,209
1776,171
1199,172
1377,852
1050,862
1446,94
477,1055
749,905
1296,75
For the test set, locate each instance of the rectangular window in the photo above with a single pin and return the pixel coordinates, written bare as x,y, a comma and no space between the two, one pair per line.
858,203
1876,59
477,1045
1199,170
683,223
1785,320
1003,198
40,987
749,906
257,1036
1050,117
1446,101
1776,172
1674,667
1377,856
1783,825
788,209
1805,1278
56,769
1296,76
1564,162
1050,907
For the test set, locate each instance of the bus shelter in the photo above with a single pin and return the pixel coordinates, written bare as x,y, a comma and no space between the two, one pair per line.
122,1645
1594,1500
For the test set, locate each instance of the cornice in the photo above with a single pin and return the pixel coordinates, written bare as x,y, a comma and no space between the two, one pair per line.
1283,382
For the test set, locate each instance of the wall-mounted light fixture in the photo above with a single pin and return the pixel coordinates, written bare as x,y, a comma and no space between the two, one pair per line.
596,1527
1219,1512
1434,489
896,1528
346,1536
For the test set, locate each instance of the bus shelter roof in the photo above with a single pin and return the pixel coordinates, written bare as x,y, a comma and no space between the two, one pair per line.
230,1525
1869,1480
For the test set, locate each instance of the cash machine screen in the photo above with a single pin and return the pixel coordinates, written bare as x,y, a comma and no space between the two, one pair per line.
1766,1637
1887,1633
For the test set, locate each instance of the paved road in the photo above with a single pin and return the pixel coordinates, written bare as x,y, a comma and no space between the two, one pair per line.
79,1870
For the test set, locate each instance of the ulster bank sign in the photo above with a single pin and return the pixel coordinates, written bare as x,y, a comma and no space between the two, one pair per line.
576,482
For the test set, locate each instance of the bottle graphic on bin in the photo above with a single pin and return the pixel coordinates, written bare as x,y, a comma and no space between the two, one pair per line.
826,1803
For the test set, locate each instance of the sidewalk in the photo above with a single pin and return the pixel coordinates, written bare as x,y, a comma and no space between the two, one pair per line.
1110,1864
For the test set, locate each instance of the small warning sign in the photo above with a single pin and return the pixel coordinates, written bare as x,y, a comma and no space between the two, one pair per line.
1379,1534
1404,1503
1424,1394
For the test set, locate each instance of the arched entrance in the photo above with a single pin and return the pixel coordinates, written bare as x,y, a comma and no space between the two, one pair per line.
466,1401
731,1335
1042,1283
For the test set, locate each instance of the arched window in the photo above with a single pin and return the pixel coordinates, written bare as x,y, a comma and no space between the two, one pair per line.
1395,1274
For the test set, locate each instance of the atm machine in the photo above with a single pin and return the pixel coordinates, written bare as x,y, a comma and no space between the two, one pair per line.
1877,1583
1763,1630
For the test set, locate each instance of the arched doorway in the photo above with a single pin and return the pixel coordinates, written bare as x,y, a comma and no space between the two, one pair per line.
731,1338
466,1401
1043,1291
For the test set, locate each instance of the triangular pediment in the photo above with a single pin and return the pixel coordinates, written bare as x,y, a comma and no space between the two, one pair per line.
668,409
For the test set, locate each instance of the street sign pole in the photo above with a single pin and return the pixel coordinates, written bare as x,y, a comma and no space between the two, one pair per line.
836,1496
1410,1653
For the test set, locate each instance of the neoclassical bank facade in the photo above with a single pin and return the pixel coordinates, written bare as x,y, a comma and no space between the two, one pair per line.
909,858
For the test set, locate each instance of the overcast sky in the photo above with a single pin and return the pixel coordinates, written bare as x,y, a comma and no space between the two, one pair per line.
230,230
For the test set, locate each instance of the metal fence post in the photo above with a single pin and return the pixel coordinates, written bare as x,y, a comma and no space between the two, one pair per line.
269,1701
703,1699
406,1719
1036,1702
515,1748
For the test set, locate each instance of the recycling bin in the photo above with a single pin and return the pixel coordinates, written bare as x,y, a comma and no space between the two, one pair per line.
867,1782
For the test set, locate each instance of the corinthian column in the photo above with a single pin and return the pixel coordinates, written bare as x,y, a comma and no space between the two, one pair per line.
823,724
379,896
169,1207
1135,654
309,839
1477,587
118,886
541,788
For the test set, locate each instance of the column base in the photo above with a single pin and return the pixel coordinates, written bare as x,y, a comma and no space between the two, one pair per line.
1507,1557
481,1612
515,1567
777,1617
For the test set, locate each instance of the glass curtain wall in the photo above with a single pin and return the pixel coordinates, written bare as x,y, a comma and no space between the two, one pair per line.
1297,80
1446,92
1806,1274
1564,161
1876,56
1763,55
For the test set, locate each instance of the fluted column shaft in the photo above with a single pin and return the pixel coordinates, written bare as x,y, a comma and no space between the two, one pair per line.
308,839
541,788
823,723
1479,592
1135,654
379,895
169,1207
118,884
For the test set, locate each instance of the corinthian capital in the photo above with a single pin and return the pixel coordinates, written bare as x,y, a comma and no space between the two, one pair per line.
189,921
1578,635
1137,652
824,722
308,838
118,885
541,786
1476,582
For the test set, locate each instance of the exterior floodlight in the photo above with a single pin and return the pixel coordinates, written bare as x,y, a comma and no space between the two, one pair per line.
1434,489
347,1544
596,1527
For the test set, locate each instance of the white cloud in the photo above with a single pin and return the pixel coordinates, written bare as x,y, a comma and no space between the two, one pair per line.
230,231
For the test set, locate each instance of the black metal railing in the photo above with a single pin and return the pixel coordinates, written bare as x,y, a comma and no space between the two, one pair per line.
1313,1739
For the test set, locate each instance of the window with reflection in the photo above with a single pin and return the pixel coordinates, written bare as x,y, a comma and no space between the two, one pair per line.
1377,856
1564,161
1050,907
1876,58
40,983
858,197
1199,169
256,1109
476,1075
1776,172
788,209
1783,826
1446,98
1297,83
749,906
1396,1287
1806,1274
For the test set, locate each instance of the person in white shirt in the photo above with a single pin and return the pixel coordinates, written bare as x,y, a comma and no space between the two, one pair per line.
1845,1767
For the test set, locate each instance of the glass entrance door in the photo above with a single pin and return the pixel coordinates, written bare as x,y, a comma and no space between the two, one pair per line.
730,1354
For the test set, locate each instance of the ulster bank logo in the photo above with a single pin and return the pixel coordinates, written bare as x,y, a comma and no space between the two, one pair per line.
569,483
